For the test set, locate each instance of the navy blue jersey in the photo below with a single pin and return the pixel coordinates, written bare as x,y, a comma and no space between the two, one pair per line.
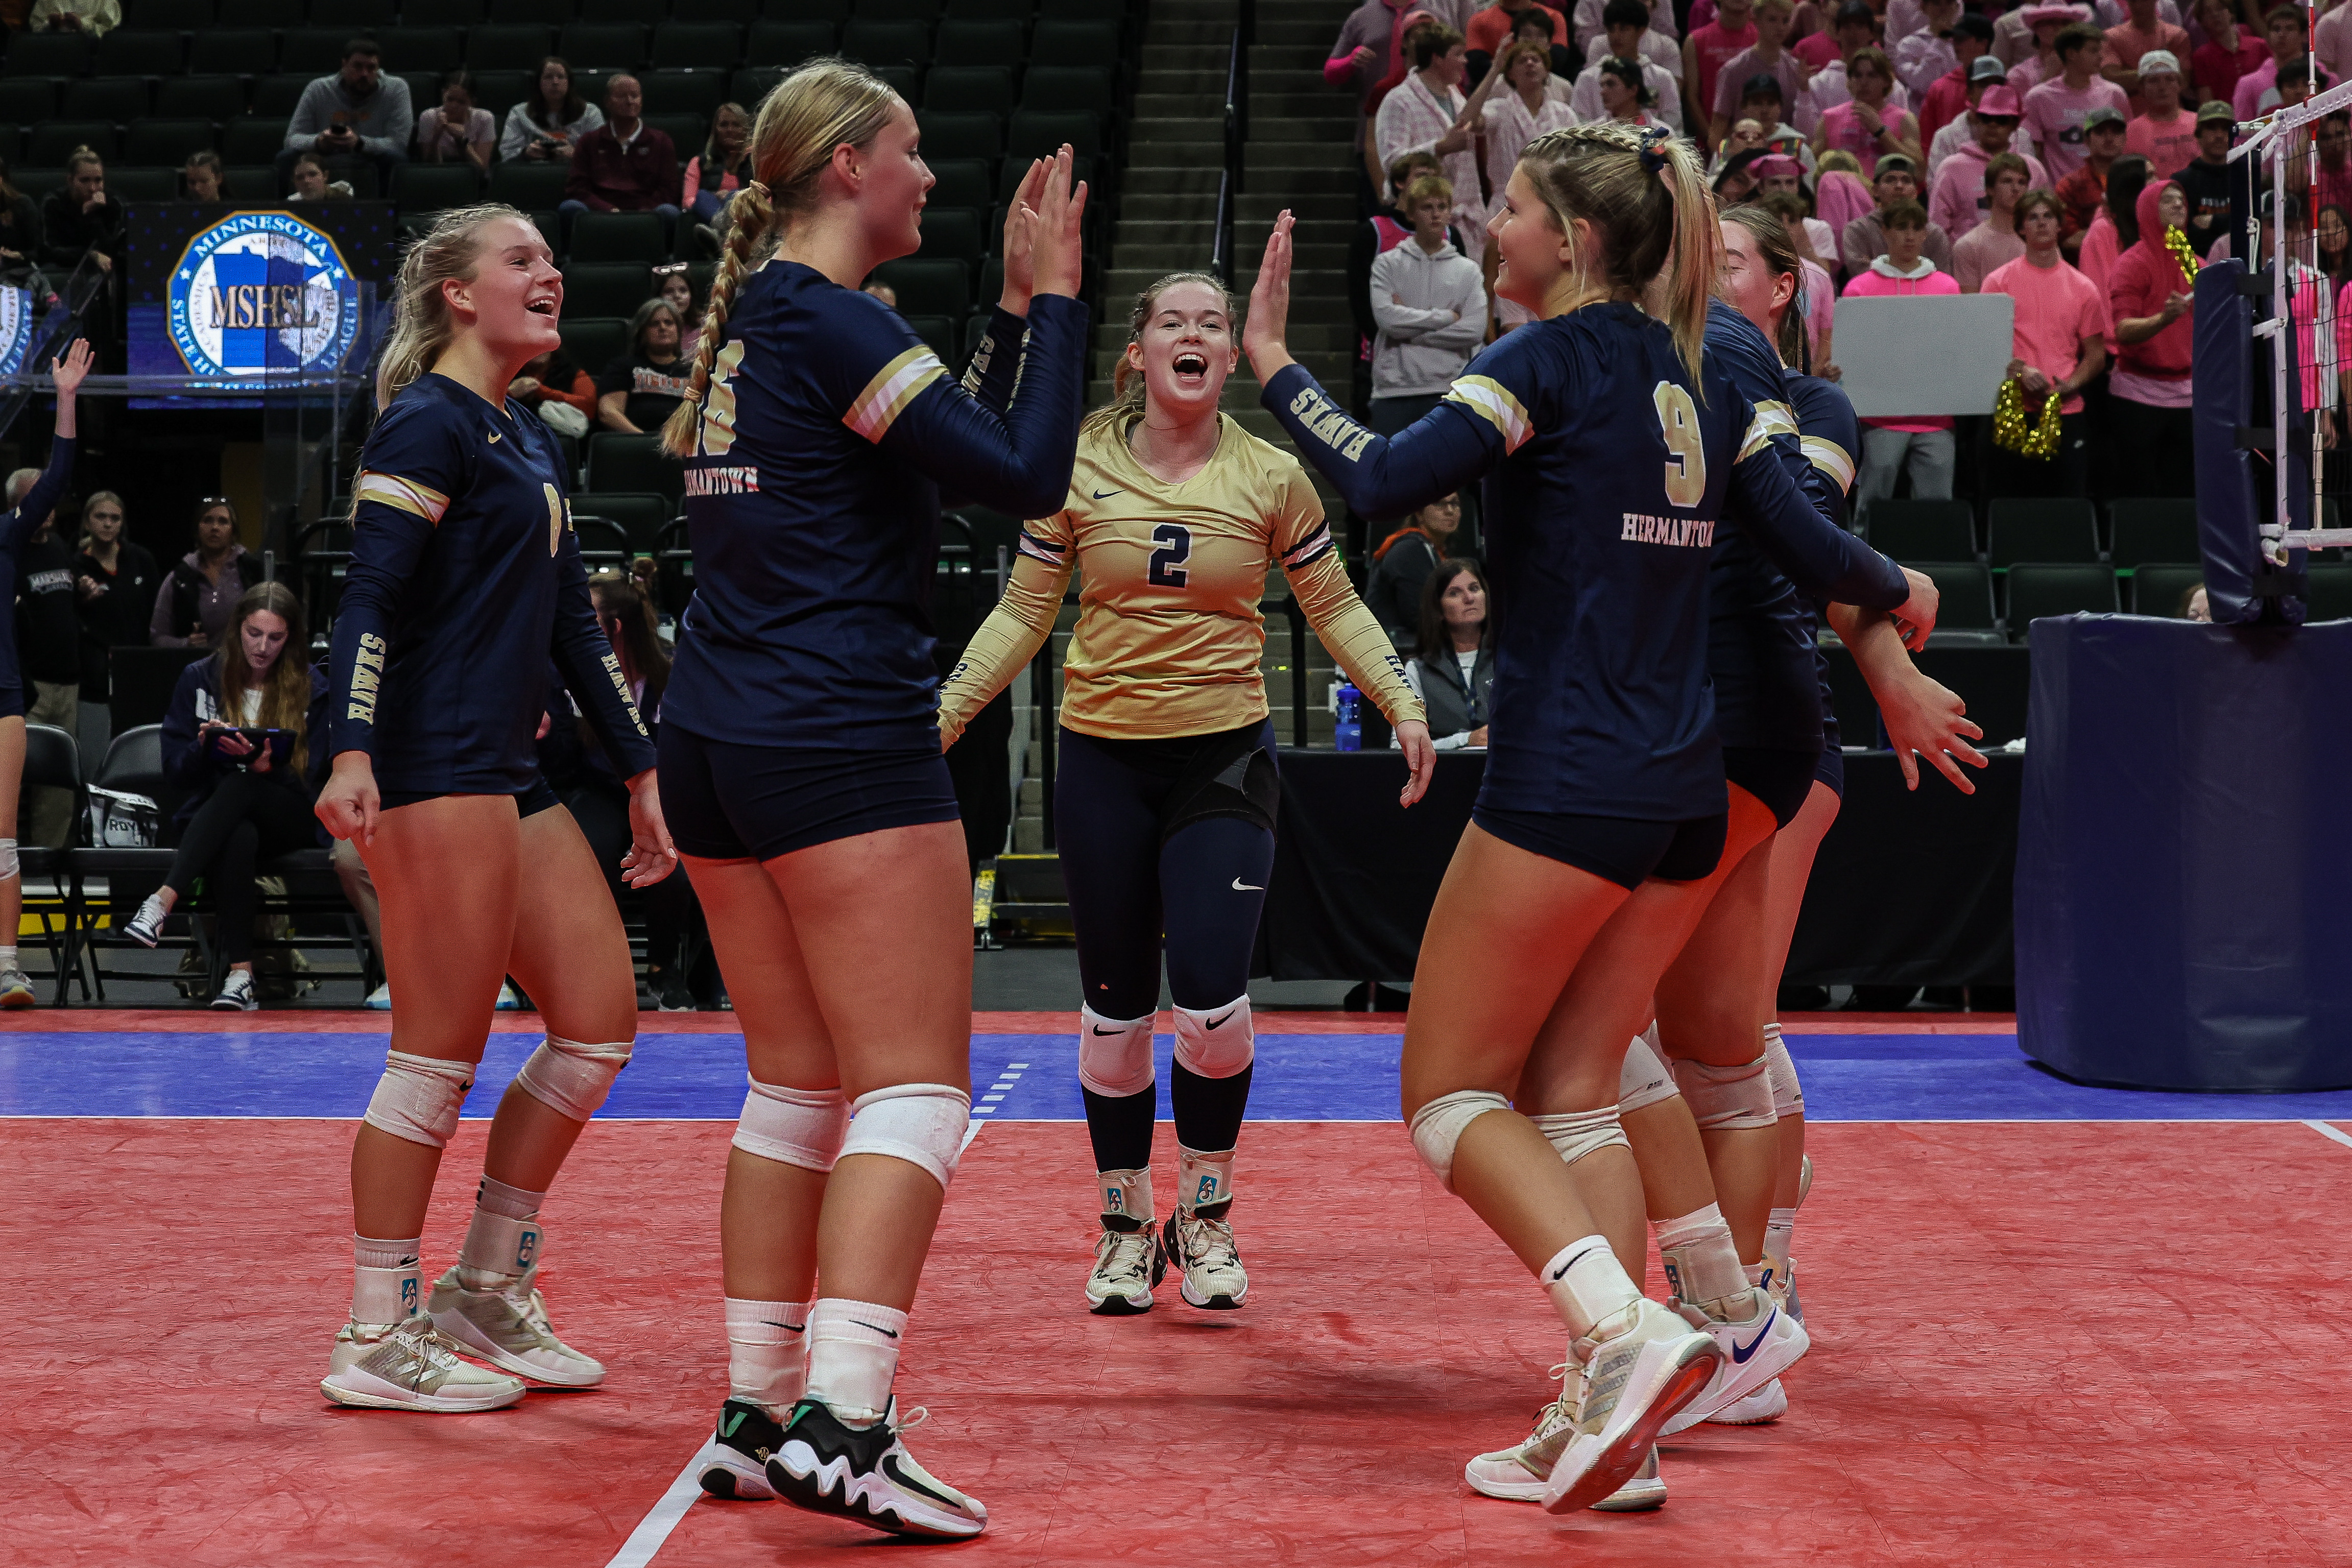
813,496
465,579
1763,648
15,527
1605,477
1832,439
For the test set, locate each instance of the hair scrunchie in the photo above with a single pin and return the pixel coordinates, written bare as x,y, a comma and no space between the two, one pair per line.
1653,137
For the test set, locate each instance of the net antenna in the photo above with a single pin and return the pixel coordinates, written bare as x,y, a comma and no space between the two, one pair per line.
2302,306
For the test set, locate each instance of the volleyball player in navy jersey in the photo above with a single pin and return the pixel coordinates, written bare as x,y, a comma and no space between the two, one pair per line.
1610,453
465,578
802,760
19,523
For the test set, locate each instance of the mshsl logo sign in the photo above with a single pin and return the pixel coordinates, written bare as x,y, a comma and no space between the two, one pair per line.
262,291
16,328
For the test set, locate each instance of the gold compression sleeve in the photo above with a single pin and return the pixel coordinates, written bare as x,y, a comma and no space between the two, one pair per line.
1007,640
1354,636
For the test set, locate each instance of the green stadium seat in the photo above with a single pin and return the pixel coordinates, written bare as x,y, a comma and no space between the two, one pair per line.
1069,89
441,12
533,187
965,135
749,85
316,50
253,141
742,13
125,53
1068,42
784,43
217,99
47,55
27,100
166,143
1965,588
168,16
2041,588
121,100
233,52
697,93
986,90
131,182
1016,11
2055,528
642,12
620,46
607,288
982,43
53,140
686,132
640,514
896,10
697,46
1036,133
276,95
592,342
260,12
636,465
887,43
2151,528
1923,530
953,234
517,47
2158,587
543,13
416,48
434,187
2331,592
640,237
928,288
496,91
355,17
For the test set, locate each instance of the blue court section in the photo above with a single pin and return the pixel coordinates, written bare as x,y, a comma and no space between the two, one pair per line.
1887,1077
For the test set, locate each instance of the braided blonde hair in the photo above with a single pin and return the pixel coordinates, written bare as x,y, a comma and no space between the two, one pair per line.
421,327
819,107
1126,382
1644,195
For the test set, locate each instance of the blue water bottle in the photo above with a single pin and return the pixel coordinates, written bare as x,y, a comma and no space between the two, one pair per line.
1350,733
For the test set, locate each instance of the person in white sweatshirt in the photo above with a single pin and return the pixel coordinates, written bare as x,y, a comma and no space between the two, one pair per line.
1430,303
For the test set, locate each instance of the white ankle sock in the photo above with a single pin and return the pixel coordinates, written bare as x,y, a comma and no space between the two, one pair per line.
514,1202
385,1284
767,1352
1702,1264
1587,1284
1780,1230
7,958
853,1357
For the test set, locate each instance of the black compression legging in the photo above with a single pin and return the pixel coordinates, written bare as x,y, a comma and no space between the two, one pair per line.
1202,890
247,818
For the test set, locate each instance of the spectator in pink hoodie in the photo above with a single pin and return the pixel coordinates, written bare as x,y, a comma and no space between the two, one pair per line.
1923,443
1960,200
2148,300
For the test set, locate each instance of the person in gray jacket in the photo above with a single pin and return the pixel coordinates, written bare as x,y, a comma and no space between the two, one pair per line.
357,113
1454,671
1430,303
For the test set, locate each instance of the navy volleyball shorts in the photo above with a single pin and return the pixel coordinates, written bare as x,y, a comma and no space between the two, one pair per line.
1621,849
727,799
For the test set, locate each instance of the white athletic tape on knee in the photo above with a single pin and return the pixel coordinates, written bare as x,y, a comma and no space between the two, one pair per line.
1646,1081
1114,1054
570,1078
1218,1042
1788,1094
7,858
800,1127
418,1097
1727,1099
1438,1126
921,1123
1576,1133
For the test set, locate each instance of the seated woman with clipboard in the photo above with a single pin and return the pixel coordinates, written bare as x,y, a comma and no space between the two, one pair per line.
237,740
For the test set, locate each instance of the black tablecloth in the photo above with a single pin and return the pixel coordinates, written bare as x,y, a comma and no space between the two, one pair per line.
1908,889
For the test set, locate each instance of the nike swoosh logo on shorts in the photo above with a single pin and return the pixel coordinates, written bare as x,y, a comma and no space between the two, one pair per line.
1104,495
1241,886
1739,1352
877,1328
1099,1029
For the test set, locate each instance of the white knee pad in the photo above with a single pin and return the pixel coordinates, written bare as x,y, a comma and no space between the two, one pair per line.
1645,1080
7,858
1218,1042
1727,1099
1788,1094
1114,1056
418,1097
800,1127
921,1123
573,1079
1438,1126
1576,1133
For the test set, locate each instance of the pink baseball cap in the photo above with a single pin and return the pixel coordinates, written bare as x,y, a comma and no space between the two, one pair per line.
2001,104
2036,14
1777,163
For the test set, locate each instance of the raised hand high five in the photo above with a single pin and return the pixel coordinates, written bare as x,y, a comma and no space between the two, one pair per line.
1057,265
1265,335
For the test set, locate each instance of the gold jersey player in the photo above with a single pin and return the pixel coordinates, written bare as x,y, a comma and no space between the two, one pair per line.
1164,808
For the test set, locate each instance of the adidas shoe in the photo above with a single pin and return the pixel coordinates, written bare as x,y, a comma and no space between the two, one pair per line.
1127,1264
1755,1350
147,927
15,988
1769,1403
1518,1474
1634,1383
866,1474
410,1366
734,1462
236,993
1203,1248
507,1326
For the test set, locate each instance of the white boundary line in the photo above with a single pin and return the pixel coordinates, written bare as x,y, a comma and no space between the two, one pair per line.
2324,1131
654,1529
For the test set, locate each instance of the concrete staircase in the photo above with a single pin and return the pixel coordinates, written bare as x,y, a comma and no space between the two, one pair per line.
1300,156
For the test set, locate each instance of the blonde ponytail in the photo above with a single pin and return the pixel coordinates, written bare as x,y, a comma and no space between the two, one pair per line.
1126,382
820,105
421,327
1641,191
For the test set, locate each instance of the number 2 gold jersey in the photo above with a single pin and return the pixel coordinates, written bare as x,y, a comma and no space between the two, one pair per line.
1169,635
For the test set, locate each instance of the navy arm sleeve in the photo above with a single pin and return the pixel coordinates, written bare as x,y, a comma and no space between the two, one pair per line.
411,466
994,372
592,670
1018,462
184,758
1384,475
1812,552
42,498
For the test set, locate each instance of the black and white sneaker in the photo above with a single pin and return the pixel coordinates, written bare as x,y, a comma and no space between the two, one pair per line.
866,1474
146,928
734,1462
236,993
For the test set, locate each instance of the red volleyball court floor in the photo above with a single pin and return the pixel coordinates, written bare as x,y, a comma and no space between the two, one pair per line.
2035,1344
